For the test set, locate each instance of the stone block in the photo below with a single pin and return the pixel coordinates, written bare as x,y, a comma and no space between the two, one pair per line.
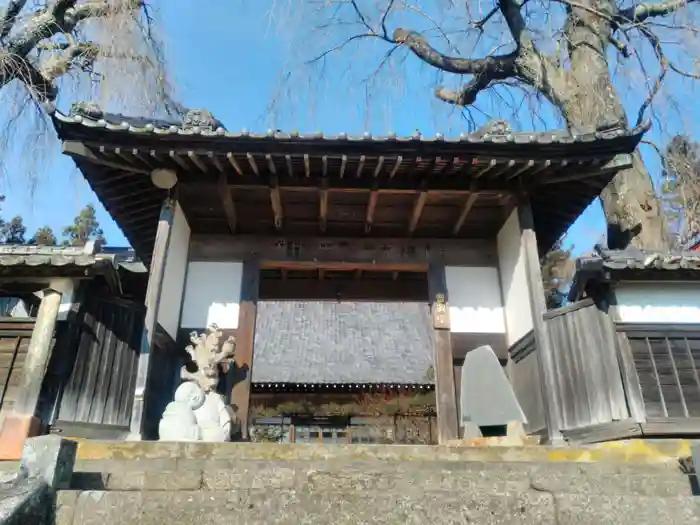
250,476
155,480
50,458
114,508
13,433
66,501
258,507
584,509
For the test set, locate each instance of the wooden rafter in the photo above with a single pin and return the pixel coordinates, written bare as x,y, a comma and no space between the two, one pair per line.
232,160
290,167
343,164
253,164
418,206
276,202
78,149
227,202
323,205
173,155
197,161
216,162
503,169
157,157
307,165
482,171
360,166
468,205
396,167
371,207
528,165
324,163
271,164
380,163
144,159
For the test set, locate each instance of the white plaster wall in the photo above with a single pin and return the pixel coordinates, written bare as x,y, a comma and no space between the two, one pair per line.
174,277
658,302
212,294
511,268
67,288
474,298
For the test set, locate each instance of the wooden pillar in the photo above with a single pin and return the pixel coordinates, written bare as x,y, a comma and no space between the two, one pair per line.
245,341
23,421
546,359
445,395
153,292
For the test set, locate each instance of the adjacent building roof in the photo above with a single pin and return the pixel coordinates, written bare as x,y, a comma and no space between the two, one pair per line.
562,172
634,264
328,342
67,257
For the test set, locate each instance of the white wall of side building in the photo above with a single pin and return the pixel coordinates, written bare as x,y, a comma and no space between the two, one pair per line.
474,299
212,295
173,285
658,302
513,276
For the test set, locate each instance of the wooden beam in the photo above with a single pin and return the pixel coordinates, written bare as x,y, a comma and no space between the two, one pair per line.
78,149
324,163
503,169
253,164
144,160
156,156
371,207
119,152
358,250
153,293
307,165
545,352
245,341
232,160
276,202
227,202
197,162
323,205
38,354
418,209
445,393
174,156
619,162
468,205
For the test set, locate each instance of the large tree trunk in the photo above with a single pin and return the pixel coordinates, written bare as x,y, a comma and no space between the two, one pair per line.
630,203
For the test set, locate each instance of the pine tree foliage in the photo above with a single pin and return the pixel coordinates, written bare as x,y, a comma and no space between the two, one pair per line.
85,227
44,236
13,232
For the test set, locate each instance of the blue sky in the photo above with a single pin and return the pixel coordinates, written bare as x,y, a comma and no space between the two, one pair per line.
229,57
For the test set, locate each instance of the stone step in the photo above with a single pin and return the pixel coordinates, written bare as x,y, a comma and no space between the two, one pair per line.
414,477
311,507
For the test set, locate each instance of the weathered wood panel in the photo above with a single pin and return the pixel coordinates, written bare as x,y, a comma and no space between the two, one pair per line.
14,342
167,358
588,380
665,359
103,349
524,373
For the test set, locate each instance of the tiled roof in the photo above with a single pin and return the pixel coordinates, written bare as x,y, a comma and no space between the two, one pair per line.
205,125
328,342
619,263
633,259
90,255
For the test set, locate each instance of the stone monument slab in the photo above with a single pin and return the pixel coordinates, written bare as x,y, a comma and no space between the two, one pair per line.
487,398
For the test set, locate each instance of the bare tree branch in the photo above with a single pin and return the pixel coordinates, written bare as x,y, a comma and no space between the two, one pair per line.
641,12
9,18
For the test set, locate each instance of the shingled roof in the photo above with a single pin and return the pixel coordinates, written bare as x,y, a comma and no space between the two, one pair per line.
633,264
328,342
561,172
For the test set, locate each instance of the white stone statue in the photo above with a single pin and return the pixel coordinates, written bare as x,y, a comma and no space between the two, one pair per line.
179,422
198,412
